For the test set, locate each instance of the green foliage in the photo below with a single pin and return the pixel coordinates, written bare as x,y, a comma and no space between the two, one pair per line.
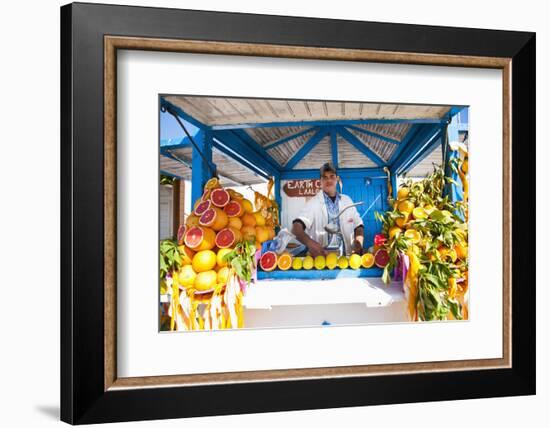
242,260
441,229
167,179
170,259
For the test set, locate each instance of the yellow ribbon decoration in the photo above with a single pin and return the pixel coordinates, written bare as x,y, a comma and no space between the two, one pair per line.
412,283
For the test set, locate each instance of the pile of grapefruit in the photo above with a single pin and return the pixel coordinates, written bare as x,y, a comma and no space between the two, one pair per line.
221,218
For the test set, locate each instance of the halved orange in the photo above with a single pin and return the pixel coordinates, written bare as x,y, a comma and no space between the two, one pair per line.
419,213
367,260
413,235
284,262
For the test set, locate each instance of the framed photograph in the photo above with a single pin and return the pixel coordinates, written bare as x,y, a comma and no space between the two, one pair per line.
291,213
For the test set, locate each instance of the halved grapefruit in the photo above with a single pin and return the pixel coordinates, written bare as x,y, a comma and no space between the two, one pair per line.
220,197
268,261
215,218
228,237
381,258
234,208
181,233
200,238
201,207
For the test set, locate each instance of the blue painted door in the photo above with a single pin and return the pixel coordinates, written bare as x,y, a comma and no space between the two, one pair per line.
374,197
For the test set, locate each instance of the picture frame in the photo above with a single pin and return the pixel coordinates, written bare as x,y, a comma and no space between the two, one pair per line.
91,392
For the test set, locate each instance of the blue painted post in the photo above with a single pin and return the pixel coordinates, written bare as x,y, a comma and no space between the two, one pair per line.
453,190
393,178
334,147
277,191
200,170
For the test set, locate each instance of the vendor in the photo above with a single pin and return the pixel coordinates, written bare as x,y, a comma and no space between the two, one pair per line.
309,226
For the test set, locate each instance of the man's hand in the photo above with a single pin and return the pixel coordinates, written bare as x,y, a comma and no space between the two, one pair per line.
357,247
316,249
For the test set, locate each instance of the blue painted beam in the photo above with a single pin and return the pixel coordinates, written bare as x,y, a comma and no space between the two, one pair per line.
163,172
289,138
334,147
241,159
235,144
300,174
419,146
321,123
453,111
375,134
306,148
168,154
359,145
175,143
182,114
243,135
413,130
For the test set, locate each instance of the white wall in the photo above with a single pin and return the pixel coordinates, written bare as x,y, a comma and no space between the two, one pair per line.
30,76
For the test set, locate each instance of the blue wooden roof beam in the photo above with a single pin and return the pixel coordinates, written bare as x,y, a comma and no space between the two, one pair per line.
375,135
321,123
171,107
289,138
359,145
306,148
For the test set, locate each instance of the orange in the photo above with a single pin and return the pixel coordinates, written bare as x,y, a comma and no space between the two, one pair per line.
248,219
405,207
447,253
394,231
249,233
402,193
219,257
235,222
186,276
206,280
192,220
367,260
223,274
461,251
186,254
413,235
401,221
234,194
213,183
284,262
247,205
260,219
204,260
271,232
262,234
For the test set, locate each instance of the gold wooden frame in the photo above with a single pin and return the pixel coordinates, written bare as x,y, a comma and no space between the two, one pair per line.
112,43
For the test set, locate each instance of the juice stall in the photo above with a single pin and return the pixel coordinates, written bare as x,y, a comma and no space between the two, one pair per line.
230,146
